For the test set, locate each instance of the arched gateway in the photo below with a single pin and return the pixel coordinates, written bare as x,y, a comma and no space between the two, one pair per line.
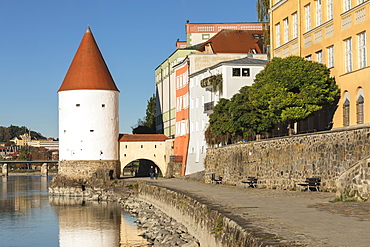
151,147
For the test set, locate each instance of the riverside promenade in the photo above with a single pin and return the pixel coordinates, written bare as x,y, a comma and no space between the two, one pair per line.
296,218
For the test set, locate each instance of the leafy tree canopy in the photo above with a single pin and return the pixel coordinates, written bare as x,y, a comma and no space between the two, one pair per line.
287,90
147,125
294,88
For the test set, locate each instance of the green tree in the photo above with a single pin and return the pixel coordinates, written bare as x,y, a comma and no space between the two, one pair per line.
246,119
24,153
292,89
220,126
288,90
147,125
150,113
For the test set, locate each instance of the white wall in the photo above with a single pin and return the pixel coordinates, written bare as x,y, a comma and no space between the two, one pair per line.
231,86
88,125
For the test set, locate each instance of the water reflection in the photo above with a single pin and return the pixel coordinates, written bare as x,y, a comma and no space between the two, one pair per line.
29,217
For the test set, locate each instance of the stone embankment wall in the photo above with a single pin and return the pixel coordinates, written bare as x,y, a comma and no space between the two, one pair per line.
283,163
355,182
86,169
207,225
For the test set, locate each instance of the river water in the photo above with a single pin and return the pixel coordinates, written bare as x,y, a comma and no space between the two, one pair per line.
29,217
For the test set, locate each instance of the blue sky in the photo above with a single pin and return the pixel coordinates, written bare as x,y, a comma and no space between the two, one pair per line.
39,38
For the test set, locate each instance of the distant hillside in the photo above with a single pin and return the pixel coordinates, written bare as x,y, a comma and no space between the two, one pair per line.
8,133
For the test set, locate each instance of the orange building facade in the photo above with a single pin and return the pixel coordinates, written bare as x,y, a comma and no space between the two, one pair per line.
181,142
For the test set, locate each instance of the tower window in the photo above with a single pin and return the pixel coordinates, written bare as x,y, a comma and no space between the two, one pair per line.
77,105
103,105
91,130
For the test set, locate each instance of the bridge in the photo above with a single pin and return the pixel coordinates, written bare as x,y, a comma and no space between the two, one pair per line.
43,163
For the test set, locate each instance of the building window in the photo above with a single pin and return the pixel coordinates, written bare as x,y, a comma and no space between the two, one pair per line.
277,28
91,130
286,30
331,56
77,105
362,50
205,36
185,101
329,10
319,56
346,105
360,109
237,72
318,13
103,105
348,54
308,17
347,5
360,1
309,58
295,25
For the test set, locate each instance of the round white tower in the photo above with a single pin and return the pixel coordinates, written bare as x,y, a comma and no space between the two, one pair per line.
88,114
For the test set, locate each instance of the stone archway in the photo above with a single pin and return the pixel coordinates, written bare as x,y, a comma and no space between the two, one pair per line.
152,147
142,169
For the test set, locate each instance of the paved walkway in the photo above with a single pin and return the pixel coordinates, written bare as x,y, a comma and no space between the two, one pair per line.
304,218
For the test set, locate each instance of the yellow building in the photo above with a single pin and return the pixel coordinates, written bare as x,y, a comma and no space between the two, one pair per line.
333,32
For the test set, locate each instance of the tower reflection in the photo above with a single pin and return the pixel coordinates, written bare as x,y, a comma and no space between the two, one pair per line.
92,224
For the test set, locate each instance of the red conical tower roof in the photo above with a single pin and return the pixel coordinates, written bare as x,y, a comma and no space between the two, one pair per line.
88,69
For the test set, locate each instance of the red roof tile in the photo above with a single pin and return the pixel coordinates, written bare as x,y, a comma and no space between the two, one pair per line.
88,69
143,138
235,41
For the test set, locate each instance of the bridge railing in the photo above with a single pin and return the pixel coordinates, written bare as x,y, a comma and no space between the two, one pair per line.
8,166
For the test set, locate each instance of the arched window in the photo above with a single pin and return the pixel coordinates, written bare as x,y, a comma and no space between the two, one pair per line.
346,105
360,107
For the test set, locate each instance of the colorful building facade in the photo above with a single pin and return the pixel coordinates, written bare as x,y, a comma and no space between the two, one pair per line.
334,33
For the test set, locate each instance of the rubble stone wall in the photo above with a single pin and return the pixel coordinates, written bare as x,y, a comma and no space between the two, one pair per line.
283,163
354,184
85,169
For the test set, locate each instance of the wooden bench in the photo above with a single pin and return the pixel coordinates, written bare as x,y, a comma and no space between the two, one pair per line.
251,182
216,180
311,184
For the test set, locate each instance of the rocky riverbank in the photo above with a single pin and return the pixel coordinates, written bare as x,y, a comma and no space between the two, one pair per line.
160,229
